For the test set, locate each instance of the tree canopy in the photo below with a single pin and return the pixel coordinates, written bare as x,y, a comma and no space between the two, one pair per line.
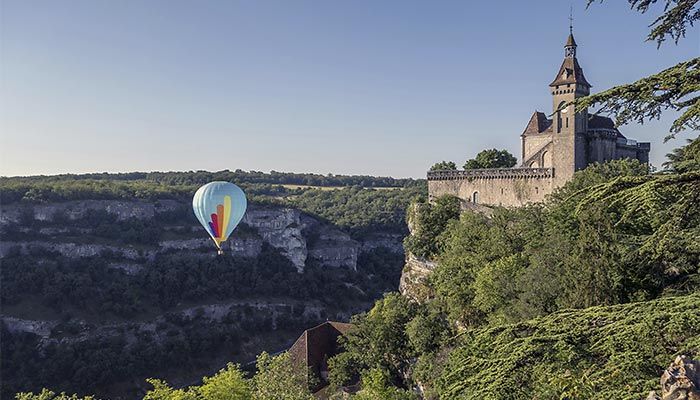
444,165
491,158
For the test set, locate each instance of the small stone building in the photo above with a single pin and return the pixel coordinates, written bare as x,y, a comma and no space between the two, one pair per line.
314,347
552,149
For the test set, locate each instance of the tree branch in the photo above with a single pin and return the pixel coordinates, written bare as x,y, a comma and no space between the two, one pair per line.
676,88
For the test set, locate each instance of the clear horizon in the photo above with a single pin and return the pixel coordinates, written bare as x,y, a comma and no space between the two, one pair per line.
350,89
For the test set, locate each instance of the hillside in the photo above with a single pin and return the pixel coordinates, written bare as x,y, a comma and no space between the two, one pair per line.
590,295
115,270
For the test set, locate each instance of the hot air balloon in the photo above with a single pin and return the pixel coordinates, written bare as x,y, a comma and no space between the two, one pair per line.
219,207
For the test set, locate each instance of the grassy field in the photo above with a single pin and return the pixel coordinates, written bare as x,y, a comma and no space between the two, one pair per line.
334,187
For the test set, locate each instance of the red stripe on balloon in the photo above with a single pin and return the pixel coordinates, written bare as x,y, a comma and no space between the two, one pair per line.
220,216
215,221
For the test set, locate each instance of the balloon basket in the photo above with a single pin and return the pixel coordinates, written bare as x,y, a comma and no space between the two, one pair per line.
220,252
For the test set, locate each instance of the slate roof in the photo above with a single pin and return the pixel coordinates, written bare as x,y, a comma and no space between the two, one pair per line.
600,122
570,72
538,124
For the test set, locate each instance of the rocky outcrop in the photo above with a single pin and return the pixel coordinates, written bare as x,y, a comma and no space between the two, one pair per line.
39,328
680,381
243,311
281,228
73,210
298,236
416,269
390,241
239,246
334,248
413,277
74,250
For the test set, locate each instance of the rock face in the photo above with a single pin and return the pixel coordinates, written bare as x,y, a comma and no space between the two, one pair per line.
73,210
334,248
281,228
298,236
680,381
413,277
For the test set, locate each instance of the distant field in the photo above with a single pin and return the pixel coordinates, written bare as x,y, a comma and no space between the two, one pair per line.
335,187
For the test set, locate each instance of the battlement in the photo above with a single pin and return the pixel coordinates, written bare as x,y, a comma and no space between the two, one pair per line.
493,173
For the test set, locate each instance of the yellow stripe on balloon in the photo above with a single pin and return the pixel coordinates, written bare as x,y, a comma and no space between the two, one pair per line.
227,215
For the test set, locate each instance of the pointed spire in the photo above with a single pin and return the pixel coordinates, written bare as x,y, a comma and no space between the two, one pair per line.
571,20
570,71
570,46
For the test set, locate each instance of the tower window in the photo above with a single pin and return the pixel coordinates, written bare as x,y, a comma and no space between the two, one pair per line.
475,197
567,122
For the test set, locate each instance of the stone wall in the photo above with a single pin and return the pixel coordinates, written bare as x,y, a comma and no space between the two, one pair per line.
532,144
512,187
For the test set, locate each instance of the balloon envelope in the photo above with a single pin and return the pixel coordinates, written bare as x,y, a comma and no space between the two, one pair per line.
219,207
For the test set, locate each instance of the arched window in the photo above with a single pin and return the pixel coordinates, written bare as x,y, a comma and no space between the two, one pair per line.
560,110
546,160
475,197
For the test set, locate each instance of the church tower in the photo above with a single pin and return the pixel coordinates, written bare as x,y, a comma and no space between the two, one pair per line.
568,128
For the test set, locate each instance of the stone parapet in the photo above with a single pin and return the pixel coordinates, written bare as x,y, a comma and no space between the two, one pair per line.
493,173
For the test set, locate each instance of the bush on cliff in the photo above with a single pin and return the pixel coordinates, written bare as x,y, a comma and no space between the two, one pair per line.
428,221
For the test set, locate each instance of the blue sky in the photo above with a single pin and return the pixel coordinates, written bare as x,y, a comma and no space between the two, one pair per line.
351,87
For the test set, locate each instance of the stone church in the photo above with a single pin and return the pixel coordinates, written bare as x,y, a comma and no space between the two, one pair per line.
552,149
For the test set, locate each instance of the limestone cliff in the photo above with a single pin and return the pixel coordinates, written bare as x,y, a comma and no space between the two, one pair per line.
298,236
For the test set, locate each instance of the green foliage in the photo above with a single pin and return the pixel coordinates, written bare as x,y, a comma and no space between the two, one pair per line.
277,379
495,287
491,158
376,385
429,220
676,88
686,158
614,352
613,234
274,380
427,330
227,384
46,394
379,340
677,15
162,391
444,165
360,211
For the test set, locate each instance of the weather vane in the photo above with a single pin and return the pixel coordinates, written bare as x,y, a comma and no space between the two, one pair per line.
571,19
